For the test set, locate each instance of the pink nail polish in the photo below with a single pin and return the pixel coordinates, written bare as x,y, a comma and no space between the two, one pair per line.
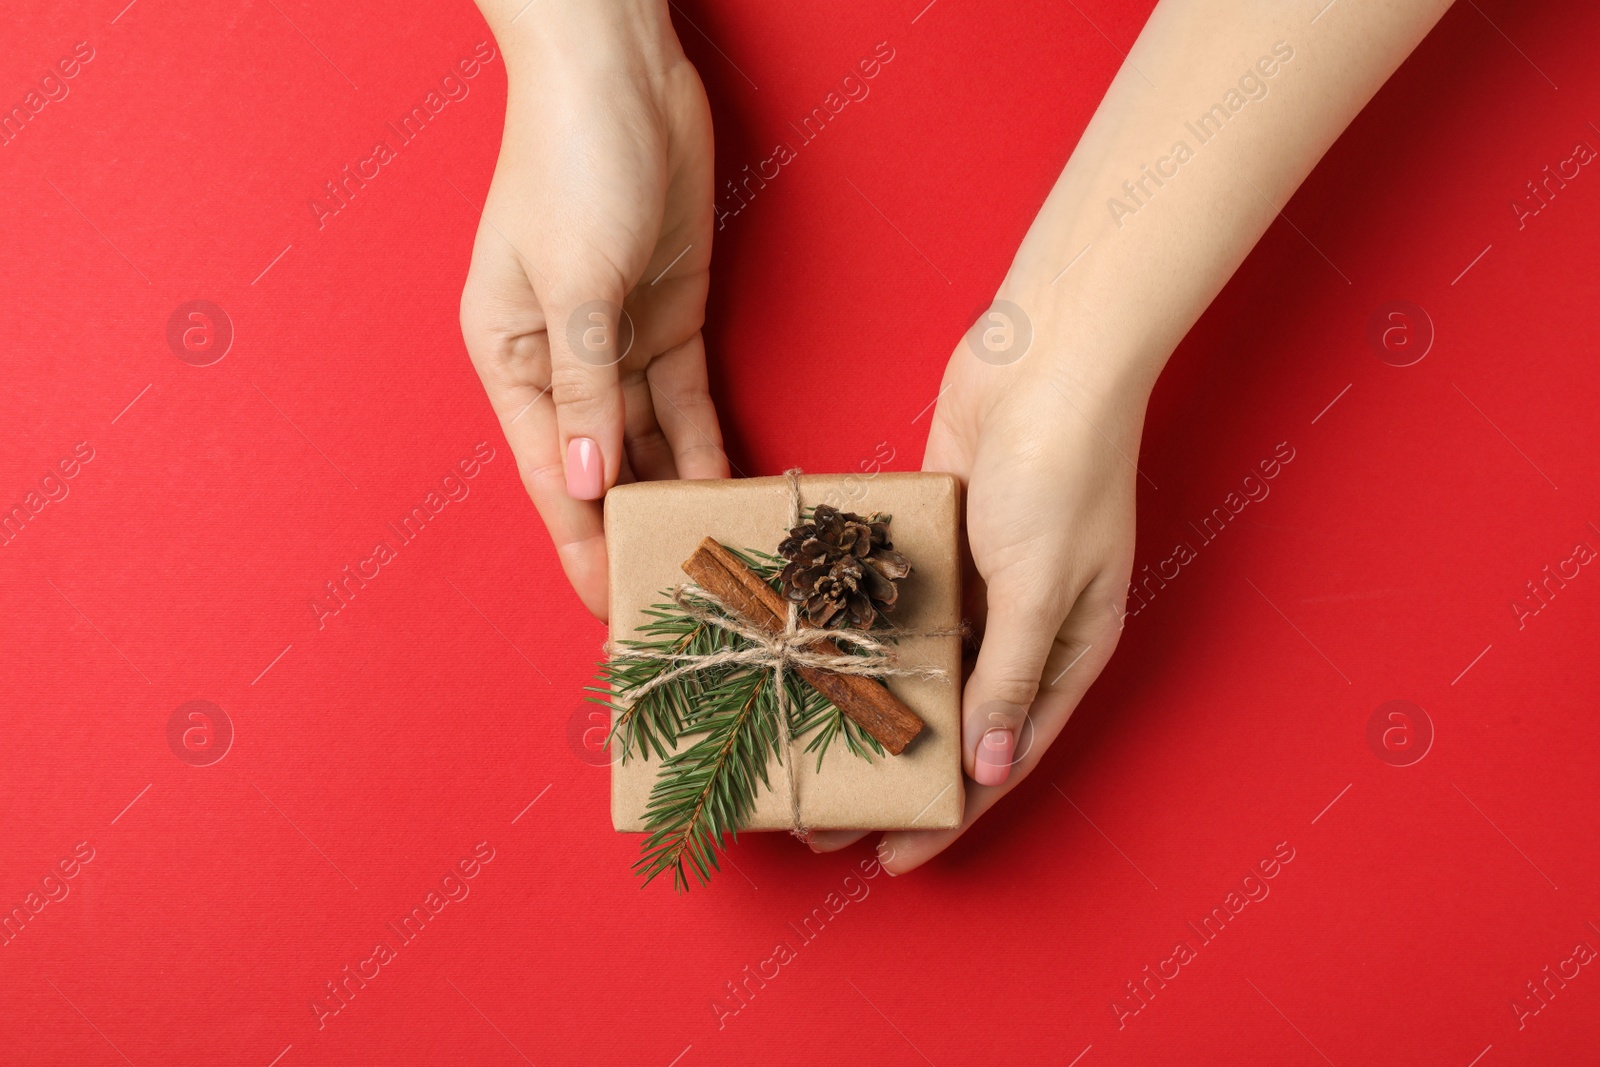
585,472
993,763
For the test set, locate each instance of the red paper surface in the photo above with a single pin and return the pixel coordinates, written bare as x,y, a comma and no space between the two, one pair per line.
373,750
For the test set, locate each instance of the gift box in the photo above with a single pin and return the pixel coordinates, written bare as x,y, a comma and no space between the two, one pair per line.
653,528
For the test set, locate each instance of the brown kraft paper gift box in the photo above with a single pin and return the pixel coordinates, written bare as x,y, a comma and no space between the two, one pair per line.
653,527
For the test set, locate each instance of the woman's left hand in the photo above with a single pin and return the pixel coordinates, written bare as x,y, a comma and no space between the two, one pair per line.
1046,448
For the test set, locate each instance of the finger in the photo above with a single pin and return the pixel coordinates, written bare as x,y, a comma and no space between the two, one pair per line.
834,840
947,450
589,336
506,337
1025,615
953,429
1084,646
669,309
625,474
645,448
575,526
682,397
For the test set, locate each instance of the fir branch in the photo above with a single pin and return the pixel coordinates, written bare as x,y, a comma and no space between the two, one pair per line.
654,722
816,712
706,792
765,564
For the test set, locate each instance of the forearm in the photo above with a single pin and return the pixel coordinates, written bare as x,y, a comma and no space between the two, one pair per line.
1221,110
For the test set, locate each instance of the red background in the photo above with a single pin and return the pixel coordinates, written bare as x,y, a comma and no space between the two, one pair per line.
375,752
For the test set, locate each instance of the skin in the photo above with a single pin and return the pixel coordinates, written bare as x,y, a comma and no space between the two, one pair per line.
603,181
1045,438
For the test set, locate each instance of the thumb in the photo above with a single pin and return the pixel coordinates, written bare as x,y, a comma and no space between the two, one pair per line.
1023,620
590,333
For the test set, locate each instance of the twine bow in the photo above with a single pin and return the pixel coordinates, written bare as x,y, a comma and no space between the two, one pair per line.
779,653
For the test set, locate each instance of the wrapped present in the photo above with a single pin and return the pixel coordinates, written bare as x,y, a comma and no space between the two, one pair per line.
779,663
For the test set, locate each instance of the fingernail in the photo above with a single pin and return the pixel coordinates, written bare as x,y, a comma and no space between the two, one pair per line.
585,475
811,842
993,764
885,854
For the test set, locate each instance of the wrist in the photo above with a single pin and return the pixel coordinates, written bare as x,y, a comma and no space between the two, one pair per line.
1082,353
582,34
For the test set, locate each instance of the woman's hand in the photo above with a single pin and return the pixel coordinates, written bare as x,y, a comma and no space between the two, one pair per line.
1045,445
1046,439
601,203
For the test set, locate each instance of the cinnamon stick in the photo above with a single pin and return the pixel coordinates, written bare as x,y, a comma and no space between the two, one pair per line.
865,700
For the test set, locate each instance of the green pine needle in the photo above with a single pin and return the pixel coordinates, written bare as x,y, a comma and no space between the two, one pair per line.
728,715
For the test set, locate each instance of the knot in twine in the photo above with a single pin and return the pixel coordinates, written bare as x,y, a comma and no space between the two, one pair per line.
779,653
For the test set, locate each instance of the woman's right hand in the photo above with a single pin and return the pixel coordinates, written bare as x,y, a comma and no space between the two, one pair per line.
583,306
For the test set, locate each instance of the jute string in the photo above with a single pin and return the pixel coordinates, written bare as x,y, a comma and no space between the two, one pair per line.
780,653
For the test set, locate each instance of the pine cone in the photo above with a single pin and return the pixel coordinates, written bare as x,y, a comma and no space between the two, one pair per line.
842,568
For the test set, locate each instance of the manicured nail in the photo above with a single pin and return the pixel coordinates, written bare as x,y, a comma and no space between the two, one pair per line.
585,474
885,854
993,765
